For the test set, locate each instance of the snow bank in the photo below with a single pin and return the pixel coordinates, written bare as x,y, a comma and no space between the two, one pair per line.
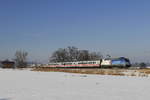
29,85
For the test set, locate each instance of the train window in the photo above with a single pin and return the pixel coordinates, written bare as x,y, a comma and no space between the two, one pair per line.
53,64
90,62
85,62
82,63
127,60
67,63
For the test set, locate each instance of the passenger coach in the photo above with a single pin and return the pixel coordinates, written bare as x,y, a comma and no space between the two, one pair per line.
76,64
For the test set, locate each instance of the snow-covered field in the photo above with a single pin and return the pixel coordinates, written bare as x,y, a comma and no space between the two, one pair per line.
29,85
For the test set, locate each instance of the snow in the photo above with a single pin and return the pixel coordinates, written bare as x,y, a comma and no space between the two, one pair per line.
29,85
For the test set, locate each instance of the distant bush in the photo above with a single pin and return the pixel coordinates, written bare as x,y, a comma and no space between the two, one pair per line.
142,65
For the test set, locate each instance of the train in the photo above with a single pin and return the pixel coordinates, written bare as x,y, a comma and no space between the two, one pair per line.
102,63
116,62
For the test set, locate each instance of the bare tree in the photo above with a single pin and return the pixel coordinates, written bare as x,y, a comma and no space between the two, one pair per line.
72,53
21,59
95,56
83,55
59,56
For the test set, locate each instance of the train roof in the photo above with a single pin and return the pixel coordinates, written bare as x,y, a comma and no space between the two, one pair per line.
76,61
119,58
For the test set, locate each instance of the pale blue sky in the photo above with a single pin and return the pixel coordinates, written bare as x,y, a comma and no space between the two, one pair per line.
115,27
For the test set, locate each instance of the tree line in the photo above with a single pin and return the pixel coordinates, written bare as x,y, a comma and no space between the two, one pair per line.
68,54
